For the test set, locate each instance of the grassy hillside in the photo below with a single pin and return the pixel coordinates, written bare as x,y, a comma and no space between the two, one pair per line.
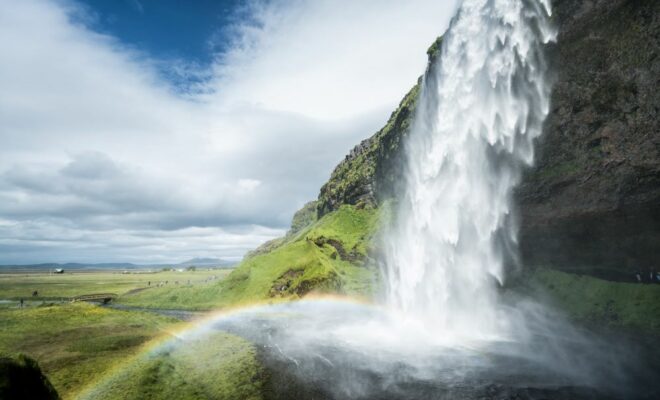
214,366
632,307
76,343
330,255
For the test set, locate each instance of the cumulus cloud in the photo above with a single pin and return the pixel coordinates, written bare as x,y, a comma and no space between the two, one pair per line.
102,159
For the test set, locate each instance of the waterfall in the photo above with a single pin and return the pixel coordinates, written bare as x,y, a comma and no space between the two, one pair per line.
482,104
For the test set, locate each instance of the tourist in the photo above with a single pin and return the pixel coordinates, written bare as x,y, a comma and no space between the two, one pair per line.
639,277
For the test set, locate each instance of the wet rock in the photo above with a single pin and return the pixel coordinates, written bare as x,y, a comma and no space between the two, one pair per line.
21,378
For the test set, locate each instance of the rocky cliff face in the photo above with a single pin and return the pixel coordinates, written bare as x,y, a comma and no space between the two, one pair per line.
371,171
592,202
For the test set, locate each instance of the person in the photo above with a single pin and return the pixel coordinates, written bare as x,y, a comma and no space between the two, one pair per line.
35,293
149,283
639,277
21,303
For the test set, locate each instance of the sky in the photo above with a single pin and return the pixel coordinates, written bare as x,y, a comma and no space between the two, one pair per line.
155,131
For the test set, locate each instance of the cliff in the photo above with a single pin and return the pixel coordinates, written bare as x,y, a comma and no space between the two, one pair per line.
591,203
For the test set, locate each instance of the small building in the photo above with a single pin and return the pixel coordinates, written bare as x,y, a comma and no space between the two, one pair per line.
59,270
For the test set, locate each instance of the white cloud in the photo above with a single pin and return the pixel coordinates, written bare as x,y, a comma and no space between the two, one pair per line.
95,146
248,185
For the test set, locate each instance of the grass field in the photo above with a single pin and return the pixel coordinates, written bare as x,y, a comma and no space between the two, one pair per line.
69,284
214,366
328,256
632,307
77,343
80,344
100,353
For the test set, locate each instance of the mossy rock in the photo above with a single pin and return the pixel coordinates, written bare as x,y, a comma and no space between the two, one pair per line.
21,378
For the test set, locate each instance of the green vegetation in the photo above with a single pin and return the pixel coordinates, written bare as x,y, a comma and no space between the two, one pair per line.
353,180
70,284
325,257
181,297
629,306
329,256
562,170
434,51
304,217
214,366
76,343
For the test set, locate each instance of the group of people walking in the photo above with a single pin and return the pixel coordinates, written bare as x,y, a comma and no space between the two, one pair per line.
649,277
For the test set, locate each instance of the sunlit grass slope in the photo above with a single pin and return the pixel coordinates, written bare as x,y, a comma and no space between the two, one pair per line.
76,343
215,366
330,255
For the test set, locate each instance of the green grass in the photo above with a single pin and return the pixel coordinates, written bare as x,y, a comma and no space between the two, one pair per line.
329,256
215,366
70,284
183,297
75,343
626,306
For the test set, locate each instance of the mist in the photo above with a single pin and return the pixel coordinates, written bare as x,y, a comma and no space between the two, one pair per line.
447,325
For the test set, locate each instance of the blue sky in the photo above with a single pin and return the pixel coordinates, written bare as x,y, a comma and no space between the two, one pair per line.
191,32
165,130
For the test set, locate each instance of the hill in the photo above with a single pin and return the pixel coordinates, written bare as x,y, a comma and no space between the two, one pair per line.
590,205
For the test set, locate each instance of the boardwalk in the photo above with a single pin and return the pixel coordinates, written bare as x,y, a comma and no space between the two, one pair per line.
95,297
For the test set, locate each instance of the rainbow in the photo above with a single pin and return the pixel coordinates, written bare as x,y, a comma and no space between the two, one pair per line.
179,332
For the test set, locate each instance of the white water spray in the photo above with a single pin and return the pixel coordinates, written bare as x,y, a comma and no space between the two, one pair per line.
481,107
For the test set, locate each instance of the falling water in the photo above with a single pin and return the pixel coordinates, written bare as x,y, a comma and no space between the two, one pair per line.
447,334
482,104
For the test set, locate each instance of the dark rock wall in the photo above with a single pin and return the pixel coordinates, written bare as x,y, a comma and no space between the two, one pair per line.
592,202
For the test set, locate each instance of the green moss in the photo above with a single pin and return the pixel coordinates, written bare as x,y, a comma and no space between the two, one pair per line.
434,51
620,305
354,180
304,217
560,170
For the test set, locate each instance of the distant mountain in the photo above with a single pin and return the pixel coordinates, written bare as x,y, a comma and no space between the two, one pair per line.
198,262
74,266
205,262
